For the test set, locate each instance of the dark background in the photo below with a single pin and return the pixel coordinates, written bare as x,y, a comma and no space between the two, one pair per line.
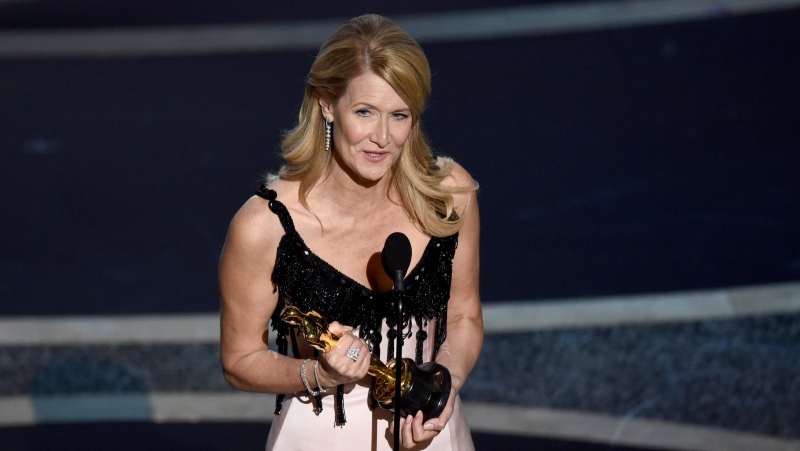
631,160
76,14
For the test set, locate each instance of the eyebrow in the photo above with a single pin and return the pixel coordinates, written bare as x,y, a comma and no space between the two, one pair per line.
369,105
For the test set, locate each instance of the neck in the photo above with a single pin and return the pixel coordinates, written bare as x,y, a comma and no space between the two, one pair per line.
338,189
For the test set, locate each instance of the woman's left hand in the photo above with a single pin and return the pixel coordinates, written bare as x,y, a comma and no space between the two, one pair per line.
413,431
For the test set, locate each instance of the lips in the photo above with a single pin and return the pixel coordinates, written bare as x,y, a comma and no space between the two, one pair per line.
375,156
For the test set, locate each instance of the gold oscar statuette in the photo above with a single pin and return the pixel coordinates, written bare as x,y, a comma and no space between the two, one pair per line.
423,387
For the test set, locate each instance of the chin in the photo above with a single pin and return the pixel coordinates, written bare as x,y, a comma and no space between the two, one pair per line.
373,176
366,173
372,179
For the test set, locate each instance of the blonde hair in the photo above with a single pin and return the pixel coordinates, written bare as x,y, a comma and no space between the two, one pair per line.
373,43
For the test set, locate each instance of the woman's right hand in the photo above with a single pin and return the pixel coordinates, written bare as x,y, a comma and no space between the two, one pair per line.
335,367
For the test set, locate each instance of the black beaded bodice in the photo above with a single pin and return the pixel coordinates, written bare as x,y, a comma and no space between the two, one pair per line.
304,280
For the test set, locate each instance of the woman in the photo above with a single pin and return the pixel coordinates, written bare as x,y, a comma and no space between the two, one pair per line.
357,168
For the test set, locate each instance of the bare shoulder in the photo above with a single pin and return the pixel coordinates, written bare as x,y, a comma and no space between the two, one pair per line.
458,178
462,184
255,226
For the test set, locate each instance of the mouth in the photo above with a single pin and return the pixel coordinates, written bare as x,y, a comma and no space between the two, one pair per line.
375,156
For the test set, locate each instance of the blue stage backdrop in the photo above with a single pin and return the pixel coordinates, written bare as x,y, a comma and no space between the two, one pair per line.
621,161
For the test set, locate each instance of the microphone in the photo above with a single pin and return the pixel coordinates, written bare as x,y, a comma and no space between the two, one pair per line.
396,257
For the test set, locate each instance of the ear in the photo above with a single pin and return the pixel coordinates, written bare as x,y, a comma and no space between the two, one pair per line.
327,109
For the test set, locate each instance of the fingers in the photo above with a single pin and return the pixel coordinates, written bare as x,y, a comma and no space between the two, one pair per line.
362,362
337,367
339,329
435,425
414,431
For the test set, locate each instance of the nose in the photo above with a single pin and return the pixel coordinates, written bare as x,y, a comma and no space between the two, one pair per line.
380,134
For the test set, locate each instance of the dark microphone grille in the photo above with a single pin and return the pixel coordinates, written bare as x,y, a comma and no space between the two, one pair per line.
396,254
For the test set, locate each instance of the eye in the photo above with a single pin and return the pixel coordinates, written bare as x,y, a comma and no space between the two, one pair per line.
363,112
400,116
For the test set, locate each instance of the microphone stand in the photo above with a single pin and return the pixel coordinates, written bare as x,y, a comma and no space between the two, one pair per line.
399,290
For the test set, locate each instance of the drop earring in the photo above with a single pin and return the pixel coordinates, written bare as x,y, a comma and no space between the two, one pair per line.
328,134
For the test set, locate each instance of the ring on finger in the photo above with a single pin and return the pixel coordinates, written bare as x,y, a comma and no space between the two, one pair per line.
352,354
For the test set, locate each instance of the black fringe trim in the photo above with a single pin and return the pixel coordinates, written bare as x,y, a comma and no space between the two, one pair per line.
282,349
340,417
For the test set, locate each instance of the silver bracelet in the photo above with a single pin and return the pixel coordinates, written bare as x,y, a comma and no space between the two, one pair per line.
320,390
305,381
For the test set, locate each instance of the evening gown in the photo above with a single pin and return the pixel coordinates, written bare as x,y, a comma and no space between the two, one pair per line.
346,418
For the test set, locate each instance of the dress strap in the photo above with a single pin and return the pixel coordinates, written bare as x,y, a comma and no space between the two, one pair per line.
280,327
277,207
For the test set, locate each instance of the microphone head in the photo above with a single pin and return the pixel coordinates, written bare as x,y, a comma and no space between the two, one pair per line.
396,254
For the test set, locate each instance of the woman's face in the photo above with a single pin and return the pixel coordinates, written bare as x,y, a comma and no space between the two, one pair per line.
370,125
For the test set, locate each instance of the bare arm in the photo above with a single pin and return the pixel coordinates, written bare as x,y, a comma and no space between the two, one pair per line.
247,302
464,339
464,316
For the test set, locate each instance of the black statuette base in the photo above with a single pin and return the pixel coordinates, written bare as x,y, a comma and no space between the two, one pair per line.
428,391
